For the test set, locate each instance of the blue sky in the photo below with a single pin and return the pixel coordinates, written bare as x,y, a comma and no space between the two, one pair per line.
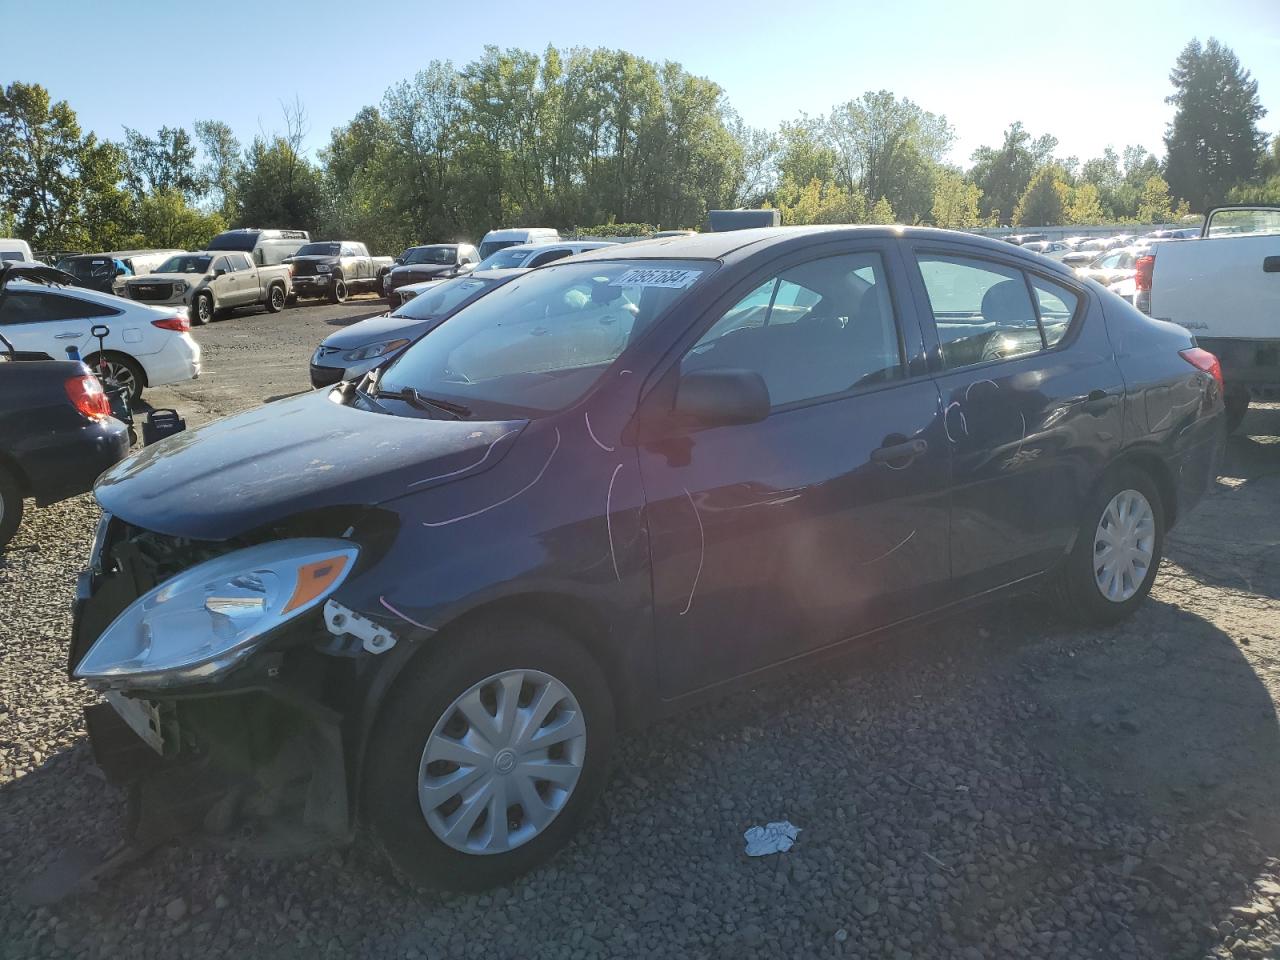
1090,73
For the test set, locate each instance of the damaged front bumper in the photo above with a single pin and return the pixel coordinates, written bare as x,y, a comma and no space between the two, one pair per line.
273,744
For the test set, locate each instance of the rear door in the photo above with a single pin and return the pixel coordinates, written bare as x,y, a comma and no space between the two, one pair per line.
1032,399
828,518
47,322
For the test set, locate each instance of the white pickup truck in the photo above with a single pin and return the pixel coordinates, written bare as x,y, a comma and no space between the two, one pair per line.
1225,288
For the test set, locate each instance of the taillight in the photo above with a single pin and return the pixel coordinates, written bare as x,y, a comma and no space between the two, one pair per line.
178,324
1145,267
1203,360
85,394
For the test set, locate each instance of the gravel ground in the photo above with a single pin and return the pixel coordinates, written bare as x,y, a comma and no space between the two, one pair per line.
998,785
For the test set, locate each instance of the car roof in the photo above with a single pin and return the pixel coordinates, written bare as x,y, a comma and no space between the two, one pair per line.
732,245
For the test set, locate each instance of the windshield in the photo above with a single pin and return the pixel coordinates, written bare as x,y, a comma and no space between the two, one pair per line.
505,259
430,255
185,264
319,250
88,268
540,341
445,298
490,247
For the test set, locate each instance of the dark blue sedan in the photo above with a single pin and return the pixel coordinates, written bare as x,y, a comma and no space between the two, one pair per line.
603,491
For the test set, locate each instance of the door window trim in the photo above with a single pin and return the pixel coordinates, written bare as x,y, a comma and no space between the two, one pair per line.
665,372
928,324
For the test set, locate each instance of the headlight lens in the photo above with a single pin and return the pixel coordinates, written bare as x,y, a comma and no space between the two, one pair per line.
322,268
375,349
179,286
199,624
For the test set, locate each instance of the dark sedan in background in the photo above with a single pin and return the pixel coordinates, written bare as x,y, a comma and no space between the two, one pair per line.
434,261
608,489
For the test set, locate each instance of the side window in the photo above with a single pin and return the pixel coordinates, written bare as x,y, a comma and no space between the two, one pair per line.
32,307
219,264
235,262
982,310
1057,305
814,330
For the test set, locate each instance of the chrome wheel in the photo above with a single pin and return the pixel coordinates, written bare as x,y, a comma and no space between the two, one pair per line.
1124,545
120,373
502,762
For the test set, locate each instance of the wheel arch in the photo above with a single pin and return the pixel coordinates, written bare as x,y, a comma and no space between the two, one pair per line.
11,466
92,359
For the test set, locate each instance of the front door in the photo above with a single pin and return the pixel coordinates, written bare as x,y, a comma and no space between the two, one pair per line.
1032,398
828,518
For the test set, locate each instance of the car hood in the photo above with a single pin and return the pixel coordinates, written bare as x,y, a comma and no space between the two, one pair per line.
165,277
232,476
315,258
385,327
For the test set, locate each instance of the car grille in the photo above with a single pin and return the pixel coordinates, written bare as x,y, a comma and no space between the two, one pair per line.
325,376
304,268
151,291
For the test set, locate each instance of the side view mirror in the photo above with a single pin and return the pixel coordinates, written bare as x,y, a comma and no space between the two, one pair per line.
219,272
119,271
399,261
722,397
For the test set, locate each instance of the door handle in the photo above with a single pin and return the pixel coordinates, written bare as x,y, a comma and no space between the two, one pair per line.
899,451
1271,265
1099,401
67,336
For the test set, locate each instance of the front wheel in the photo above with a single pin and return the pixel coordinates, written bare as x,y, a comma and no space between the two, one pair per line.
1110,570
338,291
488,756
10,506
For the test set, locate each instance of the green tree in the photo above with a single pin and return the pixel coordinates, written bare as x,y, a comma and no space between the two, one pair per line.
165,219
166,161
882,212
1003,173
1213,142
1044,203
1085,205
1154,205
804,154
278,186
59,186
753,179
819,202
222,164
955,202
889,148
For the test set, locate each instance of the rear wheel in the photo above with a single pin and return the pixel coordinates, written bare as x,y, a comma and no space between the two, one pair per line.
338,291
487,757
275,298
123,370
1237,404
1113,564
10,506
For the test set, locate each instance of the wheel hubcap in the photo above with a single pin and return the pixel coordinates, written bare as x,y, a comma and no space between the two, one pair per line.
1124,545
121,375
502,762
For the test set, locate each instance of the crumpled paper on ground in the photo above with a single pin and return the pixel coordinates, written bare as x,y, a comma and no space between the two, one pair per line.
771,838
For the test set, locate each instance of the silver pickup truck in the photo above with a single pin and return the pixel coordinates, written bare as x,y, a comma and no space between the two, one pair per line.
210,282
336,269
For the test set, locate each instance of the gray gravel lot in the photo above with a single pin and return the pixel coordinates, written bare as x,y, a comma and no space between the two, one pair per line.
999,785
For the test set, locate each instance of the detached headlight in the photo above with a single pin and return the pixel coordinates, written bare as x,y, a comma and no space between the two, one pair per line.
204,621
323,268
375,350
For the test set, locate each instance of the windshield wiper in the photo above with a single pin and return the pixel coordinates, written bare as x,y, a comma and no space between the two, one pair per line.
411,396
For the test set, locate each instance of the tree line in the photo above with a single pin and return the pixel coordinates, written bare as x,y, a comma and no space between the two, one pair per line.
603,141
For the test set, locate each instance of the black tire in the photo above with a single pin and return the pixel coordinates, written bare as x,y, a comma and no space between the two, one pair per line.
423,696
125,370
201,309
1237,404
275,298
338,291
10,506
1074,589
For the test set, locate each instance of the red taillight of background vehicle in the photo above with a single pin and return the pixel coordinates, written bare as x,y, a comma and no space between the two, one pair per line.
178,324
1203,360
1145,267
85,394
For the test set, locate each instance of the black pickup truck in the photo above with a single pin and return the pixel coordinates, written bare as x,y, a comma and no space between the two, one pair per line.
56,430
336,269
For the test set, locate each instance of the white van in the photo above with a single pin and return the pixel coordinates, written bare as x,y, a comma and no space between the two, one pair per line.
12,250
496,240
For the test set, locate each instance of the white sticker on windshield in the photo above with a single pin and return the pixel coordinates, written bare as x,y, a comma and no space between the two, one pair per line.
654,277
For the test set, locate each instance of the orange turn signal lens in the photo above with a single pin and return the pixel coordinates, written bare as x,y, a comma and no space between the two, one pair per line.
313,579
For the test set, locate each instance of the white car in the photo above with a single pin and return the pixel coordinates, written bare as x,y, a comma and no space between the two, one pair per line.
145,346
536,254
